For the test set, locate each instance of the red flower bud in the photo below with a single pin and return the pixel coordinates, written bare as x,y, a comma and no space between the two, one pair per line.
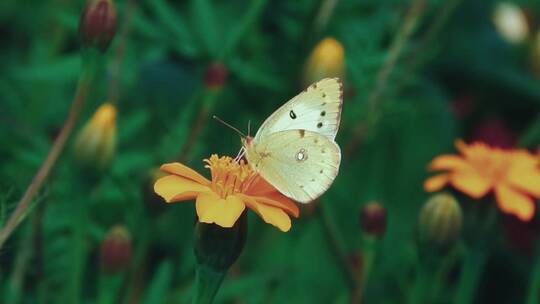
215,76
116,250
373,219
494,132
97,25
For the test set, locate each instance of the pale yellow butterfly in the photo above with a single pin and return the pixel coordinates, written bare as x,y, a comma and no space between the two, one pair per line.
294,149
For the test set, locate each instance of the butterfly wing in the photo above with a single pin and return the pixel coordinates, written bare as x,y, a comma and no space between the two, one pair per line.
301,164
317,109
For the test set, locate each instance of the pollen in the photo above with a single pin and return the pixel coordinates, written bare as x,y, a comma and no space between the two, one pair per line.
228,176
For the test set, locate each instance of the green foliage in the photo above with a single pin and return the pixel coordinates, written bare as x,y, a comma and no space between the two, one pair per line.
157,62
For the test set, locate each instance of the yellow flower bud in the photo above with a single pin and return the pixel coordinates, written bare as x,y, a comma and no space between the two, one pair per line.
511,22
326,60
440,221
96,142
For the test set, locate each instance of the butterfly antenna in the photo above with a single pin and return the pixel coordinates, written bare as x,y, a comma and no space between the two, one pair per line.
228,125
249,127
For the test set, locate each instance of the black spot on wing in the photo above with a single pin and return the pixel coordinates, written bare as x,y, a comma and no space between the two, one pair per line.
292,114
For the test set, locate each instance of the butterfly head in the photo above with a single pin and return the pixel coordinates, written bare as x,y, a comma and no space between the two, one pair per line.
246,141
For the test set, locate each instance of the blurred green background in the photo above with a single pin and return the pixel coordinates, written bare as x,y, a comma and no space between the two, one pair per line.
417,75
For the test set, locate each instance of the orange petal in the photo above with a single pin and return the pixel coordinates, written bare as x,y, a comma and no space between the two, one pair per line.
184,171
526,181
260,187
275,200
272,215
448,162
461,146
435,183
174,188
524,173
223,212
513,202
471,183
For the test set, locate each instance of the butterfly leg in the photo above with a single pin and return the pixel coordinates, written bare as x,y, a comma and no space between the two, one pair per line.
240,155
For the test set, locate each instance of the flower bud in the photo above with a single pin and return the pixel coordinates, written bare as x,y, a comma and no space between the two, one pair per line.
373,219
97,25
494,132
440,221
217,247
95,144
511,22
116,250
462,106
215,76
326,60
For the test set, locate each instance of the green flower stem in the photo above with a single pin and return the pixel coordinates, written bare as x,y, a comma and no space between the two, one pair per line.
250,17
216,249
400,40
445,268
79,252
109,286
471,271
207,283
423,281
417,56
533,296
87,75
336,243
208,99
369,251
138,268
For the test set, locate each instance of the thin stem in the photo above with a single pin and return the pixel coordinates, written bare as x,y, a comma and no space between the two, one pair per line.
109,288
441,19
58,145
25,252
398,44
336,244
396,48
116,64
423,281
533,296
471,271
79,252
368,257
210,96
249,18
207,283
196,129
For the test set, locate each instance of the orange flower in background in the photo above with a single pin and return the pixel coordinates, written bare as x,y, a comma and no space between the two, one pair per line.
222,200
513,175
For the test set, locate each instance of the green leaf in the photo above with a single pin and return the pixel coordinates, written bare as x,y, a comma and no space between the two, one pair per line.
160,284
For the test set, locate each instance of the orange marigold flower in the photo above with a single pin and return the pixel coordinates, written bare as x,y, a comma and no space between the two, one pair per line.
514,175
222,200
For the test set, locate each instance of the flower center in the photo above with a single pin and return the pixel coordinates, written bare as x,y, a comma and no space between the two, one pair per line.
493,165
228,176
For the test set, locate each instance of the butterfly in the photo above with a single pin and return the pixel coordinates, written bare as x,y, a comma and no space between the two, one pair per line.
294,149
